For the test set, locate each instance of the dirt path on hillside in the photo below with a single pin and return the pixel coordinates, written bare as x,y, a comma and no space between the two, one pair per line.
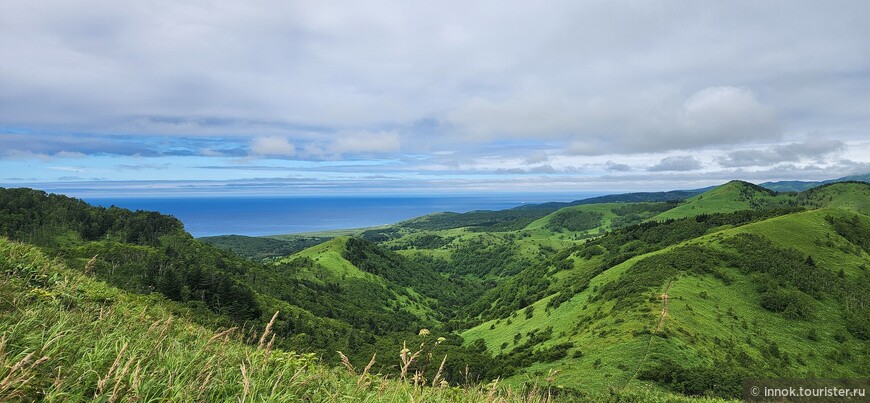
665,297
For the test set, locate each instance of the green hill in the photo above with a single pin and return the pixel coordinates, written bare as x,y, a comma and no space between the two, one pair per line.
748,295
845,195
365,283
622,301
146,252
65,336
590,220
732,196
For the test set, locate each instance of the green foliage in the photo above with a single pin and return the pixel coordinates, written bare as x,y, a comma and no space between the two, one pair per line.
484,258
854,229
730,197
449,292
653,272
260,248
425,241
66,337
370,308
734,278
574,220
531,351
39,218
792,304
635,213
847,195
720,380
481,220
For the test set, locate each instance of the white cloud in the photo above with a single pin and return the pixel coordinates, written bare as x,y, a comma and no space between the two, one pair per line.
726,115
272,146
366,142
69,154
627,123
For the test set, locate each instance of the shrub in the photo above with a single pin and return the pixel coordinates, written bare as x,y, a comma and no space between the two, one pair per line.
792,304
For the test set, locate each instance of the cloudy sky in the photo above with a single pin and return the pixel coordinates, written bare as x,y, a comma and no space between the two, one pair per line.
425,97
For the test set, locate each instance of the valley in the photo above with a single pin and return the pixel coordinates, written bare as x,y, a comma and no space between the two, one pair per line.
645,296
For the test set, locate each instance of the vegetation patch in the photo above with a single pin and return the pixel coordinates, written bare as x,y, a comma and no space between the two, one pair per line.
574,220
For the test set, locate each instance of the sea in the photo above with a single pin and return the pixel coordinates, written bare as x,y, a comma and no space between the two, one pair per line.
271,215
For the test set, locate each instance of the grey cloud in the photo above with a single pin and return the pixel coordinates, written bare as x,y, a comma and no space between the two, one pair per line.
677,163
616,167
541,169
451,71
59,145
813,149
82,145
537,157
141,167
624,123
639,181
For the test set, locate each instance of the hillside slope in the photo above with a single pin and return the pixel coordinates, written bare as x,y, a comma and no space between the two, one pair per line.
609,301
146,252
376,290
65,336
261,248
781,295
732,196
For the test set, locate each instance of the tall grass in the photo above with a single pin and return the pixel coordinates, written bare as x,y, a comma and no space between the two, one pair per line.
67,337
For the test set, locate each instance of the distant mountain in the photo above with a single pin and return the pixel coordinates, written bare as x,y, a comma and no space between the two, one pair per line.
799,186
635,197
515,218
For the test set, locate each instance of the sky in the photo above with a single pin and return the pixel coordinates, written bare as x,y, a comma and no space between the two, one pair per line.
387,97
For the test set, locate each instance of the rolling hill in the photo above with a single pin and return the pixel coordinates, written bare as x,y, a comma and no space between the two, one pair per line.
146,252
629,298
67,336
732,196
695,315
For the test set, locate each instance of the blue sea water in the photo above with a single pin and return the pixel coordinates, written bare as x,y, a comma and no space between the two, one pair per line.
256,216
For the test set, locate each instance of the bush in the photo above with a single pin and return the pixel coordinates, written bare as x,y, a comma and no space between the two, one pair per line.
574,221
719,380
792,304
858,323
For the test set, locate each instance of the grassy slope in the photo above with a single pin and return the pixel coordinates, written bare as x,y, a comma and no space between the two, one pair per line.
732,196
330,255
540,231
333,267
66,336
849,195
693,322
261,248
